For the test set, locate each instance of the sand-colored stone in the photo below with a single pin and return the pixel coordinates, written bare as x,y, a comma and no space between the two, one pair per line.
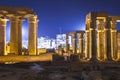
32,42
101,37
3,36
14,58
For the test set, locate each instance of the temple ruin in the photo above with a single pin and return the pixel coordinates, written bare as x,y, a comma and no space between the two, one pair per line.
16,16
100,41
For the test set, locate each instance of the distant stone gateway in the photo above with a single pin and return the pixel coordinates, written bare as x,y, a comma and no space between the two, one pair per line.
16,15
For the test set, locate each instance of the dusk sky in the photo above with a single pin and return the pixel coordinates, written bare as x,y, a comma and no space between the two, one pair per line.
57,16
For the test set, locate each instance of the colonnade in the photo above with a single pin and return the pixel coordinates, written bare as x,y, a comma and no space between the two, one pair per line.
102,40
16,18
104,36
77,39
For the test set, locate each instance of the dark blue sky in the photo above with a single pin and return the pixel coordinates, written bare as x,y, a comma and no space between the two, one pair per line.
64,15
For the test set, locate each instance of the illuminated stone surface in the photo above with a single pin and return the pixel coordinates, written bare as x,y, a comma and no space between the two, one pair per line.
16,15
101,37
14,35
15,58
2,36
20,36
77,40
32,43
100,41
80,41
118,43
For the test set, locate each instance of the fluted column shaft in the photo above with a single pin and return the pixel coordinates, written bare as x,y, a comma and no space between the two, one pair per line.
114,44
118,44
100,41
113,40
74,44
32,42
93,46
108,43
37,37
20,36
14,34
81,43
67,44
3,36
87,43
107,40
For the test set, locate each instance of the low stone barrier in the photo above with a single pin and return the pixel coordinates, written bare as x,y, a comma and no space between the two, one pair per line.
27,58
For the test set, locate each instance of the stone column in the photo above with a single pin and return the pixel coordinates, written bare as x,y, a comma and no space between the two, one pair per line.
78,42
60,50
32,44
81,43
14,35
74,43
104,38
20,36
107,40
93,46
87,39
118,44
105,44
113,40
100,41
37,37
67,44
3,36
114,44
87,43
99,51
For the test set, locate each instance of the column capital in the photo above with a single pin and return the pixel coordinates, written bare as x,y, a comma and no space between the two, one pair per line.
81,35
98,21
113,30
74,36
2,18
33,19
87,30
113,22
92,29
100,30
15,18
3,21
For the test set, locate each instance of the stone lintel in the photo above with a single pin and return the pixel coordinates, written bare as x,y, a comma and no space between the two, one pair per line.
14,10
